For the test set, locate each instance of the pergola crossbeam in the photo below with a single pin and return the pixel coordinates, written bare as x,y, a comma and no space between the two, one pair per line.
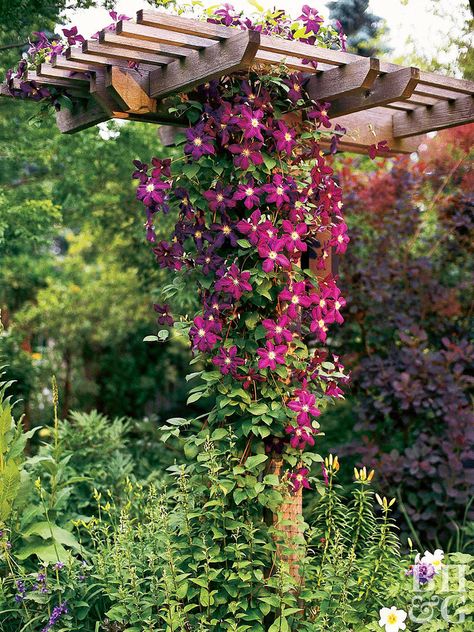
393,86
235,53
436,117
345,80
133,66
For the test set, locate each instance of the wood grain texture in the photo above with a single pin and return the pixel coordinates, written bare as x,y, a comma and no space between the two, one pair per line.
165,36
116,52
74,77
188,26
169,53
440,116
130,90
227,56
391,87
71,122
343,80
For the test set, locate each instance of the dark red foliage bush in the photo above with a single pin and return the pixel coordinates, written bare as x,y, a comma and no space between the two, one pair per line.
408,279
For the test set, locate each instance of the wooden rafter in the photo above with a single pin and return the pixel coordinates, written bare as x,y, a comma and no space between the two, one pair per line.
374,100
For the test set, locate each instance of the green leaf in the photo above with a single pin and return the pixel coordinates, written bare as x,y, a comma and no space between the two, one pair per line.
255,461
150,339
258,409
191,170
45,529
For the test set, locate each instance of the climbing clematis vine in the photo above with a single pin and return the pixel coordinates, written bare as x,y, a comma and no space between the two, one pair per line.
252,191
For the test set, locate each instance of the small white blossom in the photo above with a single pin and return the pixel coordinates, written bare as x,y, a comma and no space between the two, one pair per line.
392,619
435,559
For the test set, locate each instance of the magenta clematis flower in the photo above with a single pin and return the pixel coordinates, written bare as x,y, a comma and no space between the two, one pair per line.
250,123
285,138
234,282
339,237
246,154
277,330
295,83
227,15
270,251
251,377
277,191
377,149
320,114
215,306
333,390
271,355
296,297
293,235
165,317
141,171
267,230
209,261
301,436
220,198
250,227
199,143
224,118
72,36
161,167
169,255
227,360
318,324
305,405
333,314
152,191
221,233
299,479
249,193
311,19
203,334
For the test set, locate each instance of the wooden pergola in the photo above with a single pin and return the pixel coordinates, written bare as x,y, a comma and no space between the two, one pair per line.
175,54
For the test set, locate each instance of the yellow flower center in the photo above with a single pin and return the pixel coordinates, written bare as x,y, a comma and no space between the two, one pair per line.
287,136
201,333
249,191
392,618
295,300
272,355
150,187
255,122
340,239
272,255
219,197
197,142
279,190
226,230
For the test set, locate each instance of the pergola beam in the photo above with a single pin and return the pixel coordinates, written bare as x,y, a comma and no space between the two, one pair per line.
70,122
130,90
439,116
345,80
235,53
394,86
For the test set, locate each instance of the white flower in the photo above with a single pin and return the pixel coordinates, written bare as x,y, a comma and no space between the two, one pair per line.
435,559
392,619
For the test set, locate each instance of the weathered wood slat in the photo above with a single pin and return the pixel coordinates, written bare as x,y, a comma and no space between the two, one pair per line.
188,26
71,122
61,62
344,80
227,56
74,90
440,116
366,128
94,48
394,86
169,52
48,71
165,36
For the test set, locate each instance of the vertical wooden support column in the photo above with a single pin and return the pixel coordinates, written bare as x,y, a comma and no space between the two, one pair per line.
288,523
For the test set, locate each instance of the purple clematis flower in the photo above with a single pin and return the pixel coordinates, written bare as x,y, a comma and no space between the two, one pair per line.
293,236
270,251
299,479
311,19
152,191
221,233
285,138
220,198
141,171
271,355
320,114
250,227
246,154
277,191
227,360
199,143
250,123
234,282
277,330
249,193
209,261
165,317
203,334
169,255
73,36
301,436
295,83
296,297
305,405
